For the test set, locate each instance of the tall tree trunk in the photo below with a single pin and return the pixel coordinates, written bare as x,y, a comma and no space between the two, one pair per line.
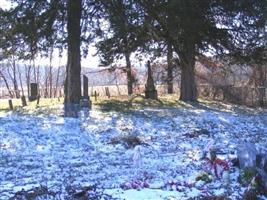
38,80
73,82
57,80
73,69
169,69
50,74
188,90
28,77
129,74
188,86
20,81
15,83
34,70
46,86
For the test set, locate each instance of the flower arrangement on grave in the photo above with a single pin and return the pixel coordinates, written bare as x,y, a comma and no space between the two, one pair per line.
217,166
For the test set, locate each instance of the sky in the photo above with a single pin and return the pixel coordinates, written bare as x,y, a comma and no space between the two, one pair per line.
4,4
89,62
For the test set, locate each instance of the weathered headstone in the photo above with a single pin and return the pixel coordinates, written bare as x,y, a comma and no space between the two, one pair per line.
38,100
23,101
33,92
137,157
150,90
96,95
10,104
250,159
85,86
85,100
246,153
85,103
107,92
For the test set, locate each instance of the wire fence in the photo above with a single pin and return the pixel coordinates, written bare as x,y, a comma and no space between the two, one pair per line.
245,95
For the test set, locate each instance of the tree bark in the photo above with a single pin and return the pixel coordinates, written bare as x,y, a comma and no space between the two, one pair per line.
73,82
38,80
20,81
28,78
170,69
129,74
188,90
15,83
57,80
50,74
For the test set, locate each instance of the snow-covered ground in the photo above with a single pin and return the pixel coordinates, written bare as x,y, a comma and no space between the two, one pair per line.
58,152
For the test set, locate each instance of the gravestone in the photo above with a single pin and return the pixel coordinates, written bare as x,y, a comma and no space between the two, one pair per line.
10,104
38,100
150,90
85,103
85,86
33,92
96,95
23,101
85,100
246,153
107,92
249,158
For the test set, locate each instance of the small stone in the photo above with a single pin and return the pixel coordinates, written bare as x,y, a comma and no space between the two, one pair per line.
85,103
246,154
226,177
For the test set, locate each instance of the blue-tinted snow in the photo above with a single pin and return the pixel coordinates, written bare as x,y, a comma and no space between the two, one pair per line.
58,152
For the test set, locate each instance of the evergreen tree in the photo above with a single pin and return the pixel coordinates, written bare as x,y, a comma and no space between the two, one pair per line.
194,27
124,35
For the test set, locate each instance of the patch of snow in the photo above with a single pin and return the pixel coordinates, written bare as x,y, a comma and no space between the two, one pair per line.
144,194
58,152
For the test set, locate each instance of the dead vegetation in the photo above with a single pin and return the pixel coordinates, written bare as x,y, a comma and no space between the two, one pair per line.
128,141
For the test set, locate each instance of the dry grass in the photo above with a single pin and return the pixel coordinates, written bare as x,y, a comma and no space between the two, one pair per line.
125,103
17,105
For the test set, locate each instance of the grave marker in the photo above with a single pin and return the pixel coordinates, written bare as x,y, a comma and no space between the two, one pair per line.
150,90
23,101
107,92
33,91
85,100
85,86
10,104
